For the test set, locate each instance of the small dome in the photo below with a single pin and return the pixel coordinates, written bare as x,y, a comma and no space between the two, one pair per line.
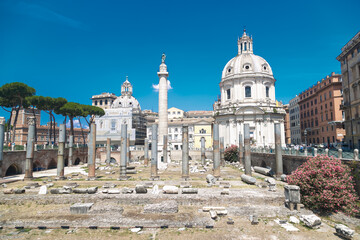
246,63
126,101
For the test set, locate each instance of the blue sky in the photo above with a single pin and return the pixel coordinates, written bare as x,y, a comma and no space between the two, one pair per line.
76,49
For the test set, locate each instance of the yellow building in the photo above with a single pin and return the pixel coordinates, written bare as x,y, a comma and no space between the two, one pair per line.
203,128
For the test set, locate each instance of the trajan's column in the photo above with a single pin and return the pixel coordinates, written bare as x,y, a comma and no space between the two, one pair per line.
163,104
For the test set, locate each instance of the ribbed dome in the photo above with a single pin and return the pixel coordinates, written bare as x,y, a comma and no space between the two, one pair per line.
246,63
126,101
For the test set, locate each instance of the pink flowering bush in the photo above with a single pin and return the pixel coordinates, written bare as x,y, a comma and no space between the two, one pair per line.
325,185
231,154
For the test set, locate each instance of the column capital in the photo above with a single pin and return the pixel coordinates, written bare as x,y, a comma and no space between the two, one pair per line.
31,121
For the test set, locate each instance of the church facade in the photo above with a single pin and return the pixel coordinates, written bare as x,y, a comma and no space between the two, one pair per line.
124,109
247,90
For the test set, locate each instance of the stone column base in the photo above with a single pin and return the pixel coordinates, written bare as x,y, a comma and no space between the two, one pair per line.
155,178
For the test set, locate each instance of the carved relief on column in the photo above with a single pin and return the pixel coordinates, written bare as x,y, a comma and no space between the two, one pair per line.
31,121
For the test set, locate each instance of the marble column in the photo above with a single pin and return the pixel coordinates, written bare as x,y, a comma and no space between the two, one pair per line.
30,149
165,150
222,152
247,153
71,147
185,152
154,152
202,151
128,150
163,101
2,134
241,149
108,150
146,152
278,152
216,152
61,150
92,157
123,152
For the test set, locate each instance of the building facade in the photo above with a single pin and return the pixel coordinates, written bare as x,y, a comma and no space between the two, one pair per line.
124,109
248,97
42,131
287,124
320,114
350,69
294,115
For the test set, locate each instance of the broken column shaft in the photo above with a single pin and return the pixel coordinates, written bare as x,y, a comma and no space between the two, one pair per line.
165,145
278,153
123,152
71,148
247,153
185,152
108,150
92,157
216,152
222,157
241,150
61,150
203,151
154,153
2,132
146,152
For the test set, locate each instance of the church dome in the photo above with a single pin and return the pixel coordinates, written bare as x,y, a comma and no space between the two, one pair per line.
126,99
246,63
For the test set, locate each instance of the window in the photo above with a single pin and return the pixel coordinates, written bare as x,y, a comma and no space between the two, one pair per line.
113,125
267,91
324,96
105,102
228,95
307,104
100,102
329,93
247,91
176,130
325,105
320,98
311,103
330,104
315,101
331,116
315,111
95,103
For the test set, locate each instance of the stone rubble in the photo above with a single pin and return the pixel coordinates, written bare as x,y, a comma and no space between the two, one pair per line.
170,206
344,231
311,221
168,189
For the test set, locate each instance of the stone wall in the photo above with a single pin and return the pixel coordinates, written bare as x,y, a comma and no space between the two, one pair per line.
44,159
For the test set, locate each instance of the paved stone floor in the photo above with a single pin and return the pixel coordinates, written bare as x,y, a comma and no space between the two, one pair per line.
126,211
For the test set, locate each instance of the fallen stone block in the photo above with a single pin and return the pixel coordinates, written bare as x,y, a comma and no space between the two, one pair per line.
270,180
225,184
130,167
283,177
230,221
287,226
163,207
210,179
221,212
8,191
207,209
109,185
155,190
92,190
261,170
294,219
80,208
189,191
19,191
311,221
126,190
80,190
65,191
4,185
254,219
248,179
344,231
262,184
148,184
72,185
140,189
272,187
114,191
213,214
49,185
133,171
105,191
43,190
167,189
185,185
225,192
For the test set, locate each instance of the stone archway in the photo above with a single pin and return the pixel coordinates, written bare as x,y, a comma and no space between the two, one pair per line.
52,164
37,166
13,170
77,161
112,160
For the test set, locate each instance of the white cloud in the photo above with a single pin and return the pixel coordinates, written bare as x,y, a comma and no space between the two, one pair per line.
156,86
46,14
76,123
